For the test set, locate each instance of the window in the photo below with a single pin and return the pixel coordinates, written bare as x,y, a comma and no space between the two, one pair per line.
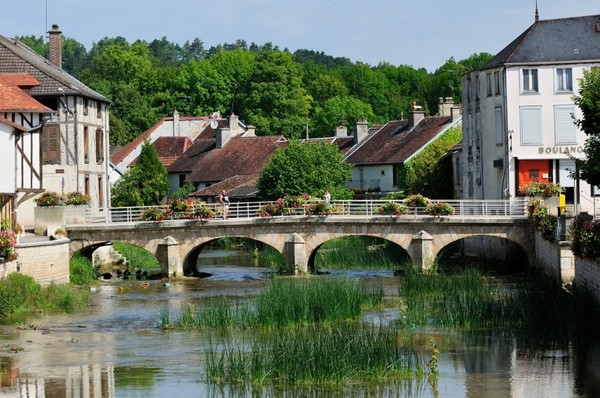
99,109
87,185
100,192
86,106
564,79
51,143
99,146
530,81
564,125
531,126
498,125
86,145
488,78
497,83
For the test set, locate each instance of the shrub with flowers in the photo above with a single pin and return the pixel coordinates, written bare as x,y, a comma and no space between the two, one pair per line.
202,212
439,208
296,202
320,209
50,199
541,219
416,200
392,208
8,240
585,237
545,189
77,198
272,209
154,214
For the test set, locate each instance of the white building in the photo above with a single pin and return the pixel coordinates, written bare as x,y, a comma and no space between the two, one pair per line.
519,115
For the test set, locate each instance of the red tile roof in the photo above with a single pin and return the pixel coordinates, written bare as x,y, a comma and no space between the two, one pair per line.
237,187
169,149
18,79
240,156
394,143
13,99
344,144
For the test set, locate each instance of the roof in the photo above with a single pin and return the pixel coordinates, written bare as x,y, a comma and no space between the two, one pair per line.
18,79
169,149
238,187
241,155
136,143
14,99
344,144
395,142
553,41
16,57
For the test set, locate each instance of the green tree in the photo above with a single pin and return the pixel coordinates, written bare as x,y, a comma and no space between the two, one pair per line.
145,184
343,110
305,167
588,101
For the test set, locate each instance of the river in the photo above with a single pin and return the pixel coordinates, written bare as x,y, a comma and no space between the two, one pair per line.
115,348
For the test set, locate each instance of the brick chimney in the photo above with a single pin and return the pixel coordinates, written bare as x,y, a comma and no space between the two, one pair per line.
55,46
415,115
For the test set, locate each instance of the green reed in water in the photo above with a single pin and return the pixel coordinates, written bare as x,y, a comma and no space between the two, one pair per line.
361,252
342,353
285,301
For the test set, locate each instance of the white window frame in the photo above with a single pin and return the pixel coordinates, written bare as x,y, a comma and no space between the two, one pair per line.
531,125
565,130
530,81
563,80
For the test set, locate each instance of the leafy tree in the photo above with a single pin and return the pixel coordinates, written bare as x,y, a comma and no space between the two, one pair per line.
337,111
194,50
75,57
184,191
165,52
145,184
37,44
588,101
305,167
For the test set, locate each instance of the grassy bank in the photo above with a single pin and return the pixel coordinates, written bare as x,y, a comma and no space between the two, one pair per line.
360,252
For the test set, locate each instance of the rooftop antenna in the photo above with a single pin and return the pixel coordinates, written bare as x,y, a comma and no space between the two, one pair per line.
537,14
46,30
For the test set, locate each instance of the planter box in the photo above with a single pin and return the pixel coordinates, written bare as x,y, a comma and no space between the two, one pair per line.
47,219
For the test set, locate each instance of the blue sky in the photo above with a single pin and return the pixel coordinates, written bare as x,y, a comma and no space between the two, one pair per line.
423,34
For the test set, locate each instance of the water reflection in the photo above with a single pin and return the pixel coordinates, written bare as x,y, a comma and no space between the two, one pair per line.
116,349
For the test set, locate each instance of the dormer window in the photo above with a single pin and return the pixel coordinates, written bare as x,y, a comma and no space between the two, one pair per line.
530,81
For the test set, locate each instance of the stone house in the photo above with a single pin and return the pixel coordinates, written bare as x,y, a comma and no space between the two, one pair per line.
381,149
519,114
75,139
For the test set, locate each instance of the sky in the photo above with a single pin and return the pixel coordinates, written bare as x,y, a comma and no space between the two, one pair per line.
421,34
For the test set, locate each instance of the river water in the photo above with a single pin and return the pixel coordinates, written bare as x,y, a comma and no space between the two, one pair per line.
115,348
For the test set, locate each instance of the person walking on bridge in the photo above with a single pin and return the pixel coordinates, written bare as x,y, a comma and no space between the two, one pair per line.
224,200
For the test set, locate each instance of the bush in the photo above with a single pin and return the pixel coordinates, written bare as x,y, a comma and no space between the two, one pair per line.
320,209
439,208
8,240
76,198
585,237
272,209
50,199
154,214
81,270
416,200
18,293
394,208
541,219
545,189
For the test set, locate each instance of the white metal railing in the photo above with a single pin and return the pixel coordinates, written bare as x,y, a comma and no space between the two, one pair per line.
343,208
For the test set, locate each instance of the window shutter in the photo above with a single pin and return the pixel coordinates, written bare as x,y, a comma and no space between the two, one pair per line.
51,143
99,146
566,133
531,126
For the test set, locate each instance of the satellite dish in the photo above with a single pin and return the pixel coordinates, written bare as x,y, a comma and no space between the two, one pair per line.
214,124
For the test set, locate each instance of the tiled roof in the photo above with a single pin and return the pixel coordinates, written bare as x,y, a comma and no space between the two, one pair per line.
169,149
553,41
394,143
16,57
18,79
237,187
187,161
344,144
241,155
13,99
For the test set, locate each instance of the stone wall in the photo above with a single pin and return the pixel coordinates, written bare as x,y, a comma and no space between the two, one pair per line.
587,274
556,259
46,261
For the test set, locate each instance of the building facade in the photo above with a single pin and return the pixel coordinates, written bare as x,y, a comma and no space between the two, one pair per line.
519,117
75,138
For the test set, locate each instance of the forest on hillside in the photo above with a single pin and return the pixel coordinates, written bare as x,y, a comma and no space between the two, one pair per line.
277,91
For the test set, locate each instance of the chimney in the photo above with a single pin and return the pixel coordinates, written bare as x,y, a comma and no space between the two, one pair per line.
175,123
341,131
250,131
55,46
223,135
415,115
361,130
445,106
234,125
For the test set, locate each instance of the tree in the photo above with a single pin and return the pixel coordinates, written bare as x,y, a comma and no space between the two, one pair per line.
145,184
303,168
342,110
588,101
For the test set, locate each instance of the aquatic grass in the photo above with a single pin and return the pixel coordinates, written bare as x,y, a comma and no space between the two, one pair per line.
64,298
337,354
137,257
81,270
360,252
285,301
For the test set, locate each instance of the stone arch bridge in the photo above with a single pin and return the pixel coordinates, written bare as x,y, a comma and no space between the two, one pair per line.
176,243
